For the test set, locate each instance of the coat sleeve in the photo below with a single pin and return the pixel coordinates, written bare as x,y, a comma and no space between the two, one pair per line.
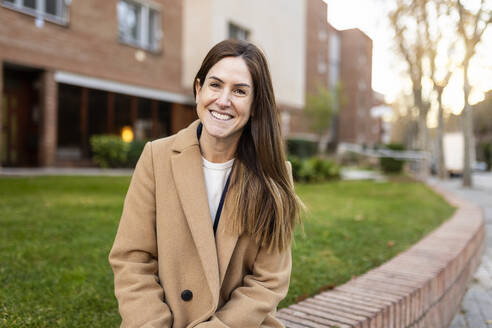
260,292
134,253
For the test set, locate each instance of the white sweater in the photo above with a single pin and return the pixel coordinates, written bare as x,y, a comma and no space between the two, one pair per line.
215,179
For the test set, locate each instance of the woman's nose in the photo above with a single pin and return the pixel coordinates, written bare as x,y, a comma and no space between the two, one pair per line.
224,99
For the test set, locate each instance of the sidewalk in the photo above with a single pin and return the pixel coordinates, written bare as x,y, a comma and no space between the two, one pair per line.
88,171
476,307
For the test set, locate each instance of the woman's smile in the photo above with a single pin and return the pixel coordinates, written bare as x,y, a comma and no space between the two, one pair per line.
221,116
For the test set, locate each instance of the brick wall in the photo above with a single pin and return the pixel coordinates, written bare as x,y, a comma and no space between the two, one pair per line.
49,119
355,121
89,45
317,36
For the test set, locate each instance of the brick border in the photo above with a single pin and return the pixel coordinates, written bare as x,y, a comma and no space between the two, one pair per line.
421,287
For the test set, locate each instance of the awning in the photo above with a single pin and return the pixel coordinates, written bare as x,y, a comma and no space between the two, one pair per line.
127,89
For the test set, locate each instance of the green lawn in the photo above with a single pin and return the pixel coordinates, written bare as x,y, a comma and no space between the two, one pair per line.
56,232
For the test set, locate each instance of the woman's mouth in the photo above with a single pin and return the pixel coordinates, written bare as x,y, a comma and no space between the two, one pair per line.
220,116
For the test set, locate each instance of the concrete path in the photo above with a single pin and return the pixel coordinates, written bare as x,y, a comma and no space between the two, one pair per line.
476,307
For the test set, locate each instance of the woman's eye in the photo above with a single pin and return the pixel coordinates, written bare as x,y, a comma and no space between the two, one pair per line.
214,85
240,92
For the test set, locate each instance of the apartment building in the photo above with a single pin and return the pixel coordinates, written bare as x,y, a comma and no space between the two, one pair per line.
340,58
72,69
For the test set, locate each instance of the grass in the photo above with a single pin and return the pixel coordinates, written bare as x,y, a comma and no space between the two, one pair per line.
56,233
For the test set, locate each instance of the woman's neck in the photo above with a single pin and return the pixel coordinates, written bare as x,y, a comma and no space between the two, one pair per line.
217,150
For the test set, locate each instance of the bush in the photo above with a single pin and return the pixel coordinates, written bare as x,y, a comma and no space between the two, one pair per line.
392,165
109,151
314,169
112,151
134,151
302,148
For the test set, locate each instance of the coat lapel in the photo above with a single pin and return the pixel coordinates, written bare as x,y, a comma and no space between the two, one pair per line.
190,184
225,241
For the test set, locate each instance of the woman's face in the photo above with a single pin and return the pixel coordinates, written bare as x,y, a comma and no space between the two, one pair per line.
224,100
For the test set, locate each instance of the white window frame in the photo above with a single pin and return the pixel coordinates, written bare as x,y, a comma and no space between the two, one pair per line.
143,40
62,16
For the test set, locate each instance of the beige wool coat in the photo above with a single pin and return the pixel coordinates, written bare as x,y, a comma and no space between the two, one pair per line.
169,269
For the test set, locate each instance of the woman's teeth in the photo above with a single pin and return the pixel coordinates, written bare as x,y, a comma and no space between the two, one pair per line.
219,116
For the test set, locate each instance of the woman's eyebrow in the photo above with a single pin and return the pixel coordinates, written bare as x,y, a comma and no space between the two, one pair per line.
236,85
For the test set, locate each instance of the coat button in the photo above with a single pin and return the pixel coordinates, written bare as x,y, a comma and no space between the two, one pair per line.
186,295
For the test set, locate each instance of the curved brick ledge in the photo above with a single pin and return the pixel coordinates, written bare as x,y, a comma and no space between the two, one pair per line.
421,287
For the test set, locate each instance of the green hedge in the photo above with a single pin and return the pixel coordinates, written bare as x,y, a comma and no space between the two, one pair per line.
313,169
112,151
302,148
392,165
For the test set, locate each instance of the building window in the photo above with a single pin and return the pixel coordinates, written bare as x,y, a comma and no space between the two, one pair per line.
50,10
237,32
139,25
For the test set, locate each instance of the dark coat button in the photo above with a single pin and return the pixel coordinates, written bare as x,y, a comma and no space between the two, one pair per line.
186,295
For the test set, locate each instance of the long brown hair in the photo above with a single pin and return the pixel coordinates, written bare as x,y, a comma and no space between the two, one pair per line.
261,192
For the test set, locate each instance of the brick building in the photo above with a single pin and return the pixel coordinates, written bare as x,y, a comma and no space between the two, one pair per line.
339,58
71,69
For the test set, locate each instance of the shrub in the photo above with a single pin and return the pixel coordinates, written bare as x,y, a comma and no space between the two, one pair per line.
392,165
112,151
314,169
302,148
134,151
109,151
296,166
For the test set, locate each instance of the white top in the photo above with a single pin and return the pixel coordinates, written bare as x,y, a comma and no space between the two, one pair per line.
215,179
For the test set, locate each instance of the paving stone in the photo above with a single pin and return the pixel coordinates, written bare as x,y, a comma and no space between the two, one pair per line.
472,313
458,321
476,302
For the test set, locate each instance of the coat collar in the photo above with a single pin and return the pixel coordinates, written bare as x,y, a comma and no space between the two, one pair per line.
215,254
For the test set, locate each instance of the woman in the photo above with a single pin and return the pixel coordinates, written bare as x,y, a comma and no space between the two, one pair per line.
204,238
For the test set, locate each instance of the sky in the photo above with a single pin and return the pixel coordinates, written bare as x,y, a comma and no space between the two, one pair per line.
387,68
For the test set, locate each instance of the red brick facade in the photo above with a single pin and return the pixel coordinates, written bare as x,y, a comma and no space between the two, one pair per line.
88,46
355,121
49,117
52,124
353,63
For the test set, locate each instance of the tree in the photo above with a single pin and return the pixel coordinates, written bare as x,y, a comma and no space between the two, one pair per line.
321,107
433,12
471,27
408,23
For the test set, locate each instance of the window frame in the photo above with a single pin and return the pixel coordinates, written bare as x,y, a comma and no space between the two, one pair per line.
61,18
143,40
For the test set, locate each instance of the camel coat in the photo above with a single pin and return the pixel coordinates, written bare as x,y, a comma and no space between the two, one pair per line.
169,269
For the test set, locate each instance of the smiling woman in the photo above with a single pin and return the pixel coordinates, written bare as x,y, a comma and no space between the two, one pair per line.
204,238
224,106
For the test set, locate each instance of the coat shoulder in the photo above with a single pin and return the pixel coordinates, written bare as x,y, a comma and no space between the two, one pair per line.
164,145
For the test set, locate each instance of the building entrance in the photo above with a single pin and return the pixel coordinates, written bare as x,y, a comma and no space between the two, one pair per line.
20,117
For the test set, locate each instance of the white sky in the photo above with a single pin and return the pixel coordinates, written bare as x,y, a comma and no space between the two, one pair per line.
369,17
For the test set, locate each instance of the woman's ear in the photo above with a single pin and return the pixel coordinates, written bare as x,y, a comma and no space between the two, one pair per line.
197,89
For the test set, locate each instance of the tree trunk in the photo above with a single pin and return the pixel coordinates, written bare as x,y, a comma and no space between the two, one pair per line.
467,128
441,166
424,169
